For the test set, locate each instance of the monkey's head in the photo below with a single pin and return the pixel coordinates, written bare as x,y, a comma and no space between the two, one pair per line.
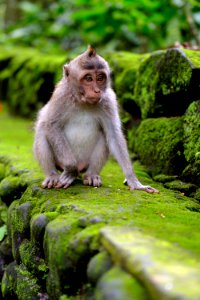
88,75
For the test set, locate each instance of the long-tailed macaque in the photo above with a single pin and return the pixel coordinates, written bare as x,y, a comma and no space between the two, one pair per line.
78,128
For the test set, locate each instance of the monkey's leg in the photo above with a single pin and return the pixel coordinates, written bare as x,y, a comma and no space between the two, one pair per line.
44,155
97,160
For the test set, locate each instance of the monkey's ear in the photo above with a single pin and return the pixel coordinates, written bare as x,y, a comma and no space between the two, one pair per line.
66,70
91,51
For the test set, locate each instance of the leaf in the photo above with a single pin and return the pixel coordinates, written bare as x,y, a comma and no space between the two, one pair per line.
3,232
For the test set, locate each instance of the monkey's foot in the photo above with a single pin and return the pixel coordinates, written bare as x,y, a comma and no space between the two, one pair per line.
93,180
145,188
50,181
65,180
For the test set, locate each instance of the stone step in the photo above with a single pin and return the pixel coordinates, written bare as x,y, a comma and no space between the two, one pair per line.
165,270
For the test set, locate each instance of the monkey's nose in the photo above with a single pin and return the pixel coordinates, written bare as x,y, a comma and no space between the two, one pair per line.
97,90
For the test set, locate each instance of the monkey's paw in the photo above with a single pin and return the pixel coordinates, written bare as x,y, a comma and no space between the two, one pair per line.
93,180
65,180
50,181
145,188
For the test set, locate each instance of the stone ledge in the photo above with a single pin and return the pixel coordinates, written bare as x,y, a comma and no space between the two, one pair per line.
164,270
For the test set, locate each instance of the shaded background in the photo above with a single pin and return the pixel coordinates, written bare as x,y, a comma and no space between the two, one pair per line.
69,25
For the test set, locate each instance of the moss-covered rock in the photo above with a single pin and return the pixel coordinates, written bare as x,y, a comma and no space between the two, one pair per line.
31,258
166,83
9,282
11,188
117,285
163,268
164,178
27,286
19,225
97,266
2,171
125,66
186,188
192,142
159,144
30,77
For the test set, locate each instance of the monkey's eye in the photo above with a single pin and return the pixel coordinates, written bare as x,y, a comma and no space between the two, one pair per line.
88,78
101,77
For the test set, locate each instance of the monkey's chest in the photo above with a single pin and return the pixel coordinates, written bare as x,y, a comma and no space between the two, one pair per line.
82,132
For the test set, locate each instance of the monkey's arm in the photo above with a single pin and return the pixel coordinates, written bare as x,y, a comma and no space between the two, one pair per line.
118,147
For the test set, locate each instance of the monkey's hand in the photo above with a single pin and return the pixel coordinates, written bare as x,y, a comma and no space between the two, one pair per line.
92,180
51,181
67,177
138,186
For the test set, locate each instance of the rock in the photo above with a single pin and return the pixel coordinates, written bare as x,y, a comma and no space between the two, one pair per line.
27,285
97,266
164,270
159,144
192,143
19,225
167,82
183,187
11,188
164,178
9,282
2,171
31,258
117,285
38,225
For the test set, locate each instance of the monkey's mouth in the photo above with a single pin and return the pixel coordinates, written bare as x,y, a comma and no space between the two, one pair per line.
91,100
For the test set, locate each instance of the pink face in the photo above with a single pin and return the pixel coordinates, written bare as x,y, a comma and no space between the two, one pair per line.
93,83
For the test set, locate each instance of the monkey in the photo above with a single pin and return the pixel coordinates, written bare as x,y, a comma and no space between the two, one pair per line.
79,127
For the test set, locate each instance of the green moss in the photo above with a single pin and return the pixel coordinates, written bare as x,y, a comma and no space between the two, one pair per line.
164,178
30,257
2,171
192,142
186,188
124,66
31,77
163,73
18,226
154,262
159,144
194,57
97,266
9,282
197,194
117,284
11,188
27,286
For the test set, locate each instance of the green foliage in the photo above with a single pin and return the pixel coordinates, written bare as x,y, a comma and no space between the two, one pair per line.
3,232
122,24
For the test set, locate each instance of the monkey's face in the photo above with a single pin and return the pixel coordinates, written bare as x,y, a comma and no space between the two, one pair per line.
92,85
